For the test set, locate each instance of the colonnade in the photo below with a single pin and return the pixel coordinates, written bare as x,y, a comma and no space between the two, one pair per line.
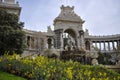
107,45
34,43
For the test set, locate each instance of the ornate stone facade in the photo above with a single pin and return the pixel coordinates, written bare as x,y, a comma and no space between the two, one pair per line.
11,6
68,22
68,33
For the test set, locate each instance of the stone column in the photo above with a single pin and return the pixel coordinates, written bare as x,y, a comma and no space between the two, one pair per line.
117,43
109,46
104,46
96,44
61,40
78,42
52,43
58,38
46,43
26,41
81,34
91,43
100,45
30,43
35,42
82,41
113,45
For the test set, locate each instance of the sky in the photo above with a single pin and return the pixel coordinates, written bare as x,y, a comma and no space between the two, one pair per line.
102,17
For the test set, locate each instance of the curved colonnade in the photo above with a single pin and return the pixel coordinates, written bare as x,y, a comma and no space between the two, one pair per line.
108,43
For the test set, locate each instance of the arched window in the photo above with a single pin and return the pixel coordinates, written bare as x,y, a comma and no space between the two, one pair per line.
87,45
49,41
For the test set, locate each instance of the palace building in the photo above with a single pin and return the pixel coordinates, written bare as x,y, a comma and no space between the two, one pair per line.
68,34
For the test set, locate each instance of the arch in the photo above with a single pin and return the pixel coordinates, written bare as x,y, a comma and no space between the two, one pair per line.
71,32
69,39
49,41
87,45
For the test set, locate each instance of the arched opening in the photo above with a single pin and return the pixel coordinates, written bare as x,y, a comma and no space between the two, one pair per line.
49,41
69,39
87,45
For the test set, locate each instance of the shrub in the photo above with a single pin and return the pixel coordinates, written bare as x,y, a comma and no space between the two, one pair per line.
43,68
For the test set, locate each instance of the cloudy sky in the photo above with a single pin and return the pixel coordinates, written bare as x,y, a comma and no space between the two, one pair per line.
102,17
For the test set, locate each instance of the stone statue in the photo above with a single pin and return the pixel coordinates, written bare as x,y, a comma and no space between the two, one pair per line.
70,42
94,62
86,32
49,29
94,53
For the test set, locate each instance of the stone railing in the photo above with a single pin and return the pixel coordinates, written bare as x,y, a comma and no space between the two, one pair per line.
117,36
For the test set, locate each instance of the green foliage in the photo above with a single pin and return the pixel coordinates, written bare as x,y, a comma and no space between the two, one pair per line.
104,59
12,38
100,58
50,54
47,53
6,76
42,68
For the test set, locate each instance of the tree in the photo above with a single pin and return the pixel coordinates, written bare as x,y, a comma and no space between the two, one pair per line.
12,37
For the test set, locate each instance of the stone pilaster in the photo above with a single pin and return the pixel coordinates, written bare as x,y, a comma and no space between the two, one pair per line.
82,43
62,42
58,38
